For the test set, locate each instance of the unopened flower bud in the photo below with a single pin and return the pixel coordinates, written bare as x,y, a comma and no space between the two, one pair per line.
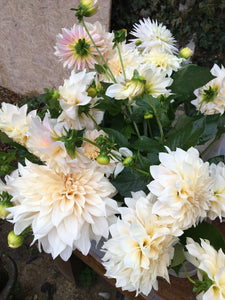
3,206
92,92
128,161
55,94
103,159
138,43
15,241
148,115
88,7
185,53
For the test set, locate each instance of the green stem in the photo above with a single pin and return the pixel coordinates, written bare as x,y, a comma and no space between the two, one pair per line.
121,61
150,129
90,116
134,123
210,145
156,116
98,61
188,277
89,141
99,52
142,172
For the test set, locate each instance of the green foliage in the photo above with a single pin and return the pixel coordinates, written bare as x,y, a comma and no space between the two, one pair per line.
87,276
203,21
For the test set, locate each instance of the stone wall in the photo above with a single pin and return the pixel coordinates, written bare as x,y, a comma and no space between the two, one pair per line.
28,30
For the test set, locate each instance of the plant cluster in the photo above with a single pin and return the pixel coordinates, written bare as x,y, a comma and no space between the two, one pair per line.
200,21
116,156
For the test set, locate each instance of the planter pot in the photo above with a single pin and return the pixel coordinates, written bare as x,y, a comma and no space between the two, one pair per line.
8,275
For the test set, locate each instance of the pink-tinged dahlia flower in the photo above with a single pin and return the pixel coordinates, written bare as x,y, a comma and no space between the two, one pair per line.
76,49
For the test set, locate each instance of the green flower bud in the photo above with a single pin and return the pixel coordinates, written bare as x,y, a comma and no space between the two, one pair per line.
15,241
138,43
128,161
92,92
55,94
148,115
103,159
185,53
3,206
87,7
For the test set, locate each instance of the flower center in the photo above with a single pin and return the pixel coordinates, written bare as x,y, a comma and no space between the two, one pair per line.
210,94
81,47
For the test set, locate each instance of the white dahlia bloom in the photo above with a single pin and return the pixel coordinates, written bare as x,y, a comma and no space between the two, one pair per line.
211,97
156,83
153,36
130,56
210,261
65,212
141,248
44,142
217,201
183,186
15,122
73,94
92,152
164,61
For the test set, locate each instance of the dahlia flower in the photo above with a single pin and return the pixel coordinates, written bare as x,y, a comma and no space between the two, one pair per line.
153,36
141,248
183,186
73,94
76,49
92,152
15,122
164,61
211,97
155,84
217,201
44,142
210,261
130,56
65,212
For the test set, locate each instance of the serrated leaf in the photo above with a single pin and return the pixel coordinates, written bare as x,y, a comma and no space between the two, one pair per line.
119,138
187,79
127,182
187,136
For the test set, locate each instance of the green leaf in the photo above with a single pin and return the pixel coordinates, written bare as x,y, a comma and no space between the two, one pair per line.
4,138
178,257
100,69
187,136
120,139
210,128
113,107
187,79
207,231
127,182
146,144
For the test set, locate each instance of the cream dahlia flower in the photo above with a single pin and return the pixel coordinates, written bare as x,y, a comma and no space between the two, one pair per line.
65,212
130,56
76,49
183,186
92,152
73,94
210,261
217,201
44,142
15,122
153,36
211,97
156,84
164,61
141,248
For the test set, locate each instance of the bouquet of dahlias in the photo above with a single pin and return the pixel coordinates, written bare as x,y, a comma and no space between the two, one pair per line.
115,156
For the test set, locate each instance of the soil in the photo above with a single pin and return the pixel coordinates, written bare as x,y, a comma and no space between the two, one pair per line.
39,276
